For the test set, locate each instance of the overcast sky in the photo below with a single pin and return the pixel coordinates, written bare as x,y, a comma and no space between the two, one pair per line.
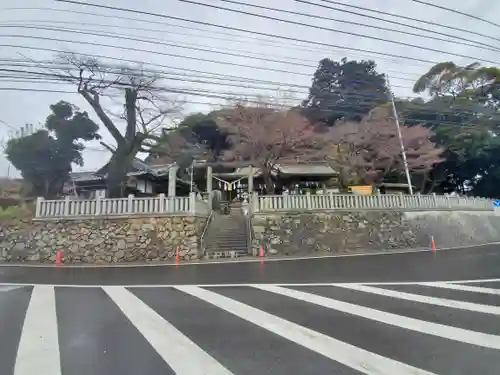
21,107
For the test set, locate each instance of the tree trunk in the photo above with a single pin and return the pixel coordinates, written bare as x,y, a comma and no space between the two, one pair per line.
117,171
425,180
266,175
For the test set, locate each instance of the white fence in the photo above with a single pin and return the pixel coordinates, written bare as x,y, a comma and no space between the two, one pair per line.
272,203
159,205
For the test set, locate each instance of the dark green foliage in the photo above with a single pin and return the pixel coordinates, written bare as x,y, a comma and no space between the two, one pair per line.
344,90
44,158
202,128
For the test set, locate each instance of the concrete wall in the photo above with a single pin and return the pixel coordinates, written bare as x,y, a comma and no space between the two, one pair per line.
347,232
102,241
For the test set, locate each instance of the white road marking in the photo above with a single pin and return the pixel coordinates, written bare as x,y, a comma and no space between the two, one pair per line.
349,355
435,329
247,284
465,288
181,354
38,351
487,309
375,283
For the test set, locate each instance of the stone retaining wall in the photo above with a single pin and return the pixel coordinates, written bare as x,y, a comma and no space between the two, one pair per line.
348,232
102,241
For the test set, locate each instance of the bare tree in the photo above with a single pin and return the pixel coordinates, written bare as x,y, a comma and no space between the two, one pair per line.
146,108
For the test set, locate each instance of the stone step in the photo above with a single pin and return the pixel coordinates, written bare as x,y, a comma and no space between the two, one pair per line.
228,231
225,254
227,246
222,241
229,237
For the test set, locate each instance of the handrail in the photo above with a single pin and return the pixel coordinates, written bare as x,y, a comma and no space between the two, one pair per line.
249,233
202,237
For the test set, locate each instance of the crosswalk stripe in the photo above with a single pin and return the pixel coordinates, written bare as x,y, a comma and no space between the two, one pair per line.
181,354
346,354
38,351
465,288
435,329
476,307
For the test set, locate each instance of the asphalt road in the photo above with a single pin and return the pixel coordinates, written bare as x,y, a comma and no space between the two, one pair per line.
451,329
377,315
461,264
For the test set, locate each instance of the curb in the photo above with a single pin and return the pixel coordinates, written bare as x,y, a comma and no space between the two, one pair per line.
246,260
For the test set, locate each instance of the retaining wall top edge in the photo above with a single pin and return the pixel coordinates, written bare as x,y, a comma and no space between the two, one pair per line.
115,217
312,212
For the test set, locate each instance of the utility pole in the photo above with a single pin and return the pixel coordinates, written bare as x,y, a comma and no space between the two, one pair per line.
400,136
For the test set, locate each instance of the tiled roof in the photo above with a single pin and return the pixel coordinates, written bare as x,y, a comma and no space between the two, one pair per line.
306,169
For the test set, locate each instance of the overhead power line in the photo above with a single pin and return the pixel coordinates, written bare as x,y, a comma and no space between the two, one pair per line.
155,52
457,12
475,44
206,33
404,18
254,32
42,77
218,105
99,56
193,47
335,30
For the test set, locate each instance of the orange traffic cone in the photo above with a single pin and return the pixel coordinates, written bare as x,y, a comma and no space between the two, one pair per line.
59,257
433,244
177,255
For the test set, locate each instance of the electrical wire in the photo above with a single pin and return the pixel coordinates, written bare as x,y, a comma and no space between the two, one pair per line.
273,43
476,43
362,102
254,32
335,30
400,17
196,47
163,54
35,37
457,12
98,56
153,52
260,42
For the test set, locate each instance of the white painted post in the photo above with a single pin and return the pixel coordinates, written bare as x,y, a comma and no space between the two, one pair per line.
448,202
255,202
331,201
172,180
161,197
308,201
401,200
192,202
130,202
39,202
66,206
98,205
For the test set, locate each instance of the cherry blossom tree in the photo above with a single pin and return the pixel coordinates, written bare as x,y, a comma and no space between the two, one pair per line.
366,151
265,135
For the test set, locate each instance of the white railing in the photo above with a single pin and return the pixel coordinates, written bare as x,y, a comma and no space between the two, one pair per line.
159,205
271,203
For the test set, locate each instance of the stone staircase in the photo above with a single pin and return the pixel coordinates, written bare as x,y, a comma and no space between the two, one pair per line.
226,236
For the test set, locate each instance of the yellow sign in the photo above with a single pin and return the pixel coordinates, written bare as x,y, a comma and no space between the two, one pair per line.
361,189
